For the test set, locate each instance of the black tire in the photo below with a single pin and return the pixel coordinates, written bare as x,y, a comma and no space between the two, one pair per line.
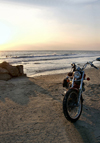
69,102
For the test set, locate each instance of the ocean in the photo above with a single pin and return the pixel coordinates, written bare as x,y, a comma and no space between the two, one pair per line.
38,63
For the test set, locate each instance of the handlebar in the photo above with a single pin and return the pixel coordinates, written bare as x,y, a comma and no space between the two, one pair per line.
91,63
94,66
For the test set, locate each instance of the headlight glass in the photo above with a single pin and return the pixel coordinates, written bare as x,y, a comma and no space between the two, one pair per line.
77,74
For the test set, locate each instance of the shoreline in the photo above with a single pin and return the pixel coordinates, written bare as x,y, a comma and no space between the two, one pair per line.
31,110
37,62
58,73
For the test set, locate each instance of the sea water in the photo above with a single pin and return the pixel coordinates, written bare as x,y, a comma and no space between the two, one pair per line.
48,62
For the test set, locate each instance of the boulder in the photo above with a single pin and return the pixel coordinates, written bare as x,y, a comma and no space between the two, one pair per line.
3,71
20,69
8,71
5,76
13,70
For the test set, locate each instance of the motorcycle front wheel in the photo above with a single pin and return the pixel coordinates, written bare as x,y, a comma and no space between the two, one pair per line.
71,110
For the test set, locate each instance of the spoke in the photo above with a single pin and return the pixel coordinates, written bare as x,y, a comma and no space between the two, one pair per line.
72,110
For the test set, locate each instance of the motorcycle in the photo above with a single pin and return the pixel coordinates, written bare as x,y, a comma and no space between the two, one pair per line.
74,83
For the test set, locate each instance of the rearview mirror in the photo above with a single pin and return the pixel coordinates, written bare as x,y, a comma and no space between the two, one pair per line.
98,59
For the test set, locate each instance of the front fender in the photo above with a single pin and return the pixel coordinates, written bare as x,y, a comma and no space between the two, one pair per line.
77,90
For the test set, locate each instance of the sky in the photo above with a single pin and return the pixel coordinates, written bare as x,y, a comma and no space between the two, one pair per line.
49,25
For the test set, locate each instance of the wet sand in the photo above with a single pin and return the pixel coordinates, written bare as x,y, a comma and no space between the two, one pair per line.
31,111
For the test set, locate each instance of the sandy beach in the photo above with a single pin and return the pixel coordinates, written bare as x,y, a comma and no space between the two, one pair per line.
31,111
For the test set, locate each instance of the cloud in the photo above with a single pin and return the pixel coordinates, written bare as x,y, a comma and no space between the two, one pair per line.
72,11
47,3
50,3
65,12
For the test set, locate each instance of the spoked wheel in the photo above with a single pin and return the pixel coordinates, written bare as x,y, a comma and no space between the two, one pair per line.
71,109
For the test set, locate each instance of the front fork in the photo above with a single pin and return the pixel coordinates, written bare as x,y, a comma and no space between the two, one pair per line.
80,88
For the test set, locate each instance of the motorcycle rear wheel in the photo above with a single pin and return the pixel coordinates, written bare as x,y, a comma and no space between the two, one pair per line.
71,111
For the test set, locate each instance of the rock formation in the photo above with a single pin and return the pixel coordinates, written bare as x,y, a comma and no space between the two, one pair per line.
8,71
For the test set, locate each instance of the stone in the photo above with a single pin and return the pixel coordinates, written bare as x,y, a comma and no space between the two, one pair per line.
8,71
2,70
20,69
5,76
13,70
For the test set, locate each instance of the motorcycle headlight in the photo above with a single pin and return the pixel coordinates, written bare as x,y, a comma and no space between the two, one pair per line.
77,75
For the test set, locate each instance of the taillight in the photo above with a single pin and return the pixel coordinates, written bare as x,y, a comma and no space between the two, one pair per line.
68,80
88,78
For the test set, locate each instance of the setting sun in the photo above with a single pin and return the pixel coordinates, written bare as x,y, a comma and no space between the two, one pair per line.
5,33
40,26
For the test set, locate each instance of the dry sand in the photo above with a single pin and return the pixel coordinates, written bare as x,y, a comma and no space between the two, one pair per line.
31,111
